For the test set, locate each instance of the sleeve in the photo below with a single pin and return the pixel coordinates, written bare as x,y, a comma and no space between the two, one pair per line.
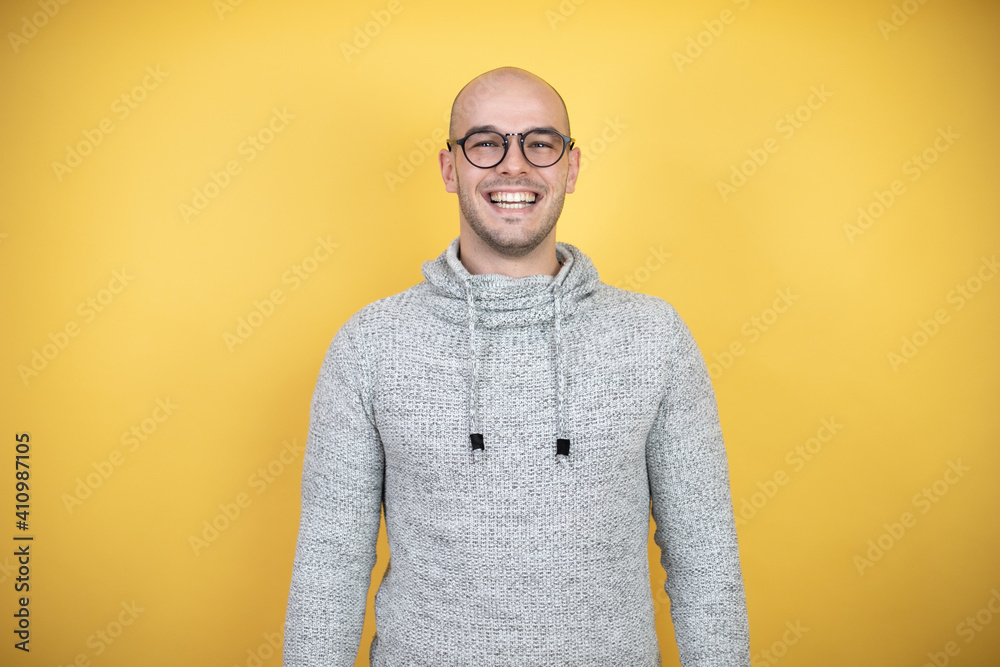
692,506
342,480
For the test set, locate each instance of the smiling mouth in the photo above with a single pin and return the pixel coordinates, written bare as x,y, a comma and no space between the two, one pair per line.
516,200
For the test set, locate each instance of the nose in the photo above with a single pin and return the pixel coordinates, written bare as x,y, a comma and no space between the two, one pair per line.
513,162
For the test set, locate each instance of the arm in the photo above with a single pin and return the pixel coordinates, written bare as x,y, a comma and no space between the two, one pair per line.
342,475
693,510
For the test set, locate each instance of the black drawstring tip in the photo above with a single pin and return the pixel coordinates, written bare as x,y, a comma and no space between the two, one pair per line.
562,446
477,440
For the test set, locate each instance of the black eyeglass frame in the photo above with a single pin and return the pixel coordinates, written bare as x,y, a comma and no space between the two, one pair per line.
567,145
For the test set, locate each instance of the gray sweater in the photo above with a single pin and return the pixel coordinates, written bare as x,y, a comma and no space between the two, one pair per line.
517,432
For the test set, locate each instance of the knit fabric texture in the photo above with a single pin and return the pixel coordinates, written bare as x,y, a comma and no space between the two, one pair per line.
517,432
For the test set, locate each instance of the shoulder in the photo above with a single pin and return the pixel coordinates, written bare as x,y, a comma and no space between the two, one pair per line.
369,327
377,314
653,310
357,344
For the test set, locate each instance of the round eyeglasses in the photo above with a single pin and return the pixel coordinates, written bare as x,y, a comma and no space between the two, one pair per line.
486,149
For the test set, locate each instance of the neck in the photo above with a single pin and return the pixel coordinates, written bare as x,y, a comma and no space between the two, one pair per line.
478,257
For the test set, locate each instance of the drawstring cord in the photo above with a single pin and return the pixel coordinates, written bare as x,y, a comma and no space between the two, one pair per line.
562,444
475,437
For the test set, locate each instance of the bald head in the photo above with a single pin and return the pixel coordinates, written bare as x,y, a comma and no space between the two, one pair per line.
502,79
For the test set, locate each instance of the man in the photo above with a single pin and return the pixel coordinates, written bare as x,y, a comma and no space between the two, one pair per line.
516,417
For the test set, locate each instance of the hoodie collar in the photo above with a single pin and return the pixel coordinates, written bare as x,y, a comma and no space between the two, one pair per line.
491,300
503,301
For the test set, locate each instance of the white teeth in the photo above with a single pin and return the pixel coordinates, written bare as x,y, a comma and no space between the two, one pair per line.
513,198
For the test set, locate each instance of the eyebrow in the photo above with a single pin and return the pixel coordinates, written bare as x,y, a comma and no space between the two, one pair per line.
494,128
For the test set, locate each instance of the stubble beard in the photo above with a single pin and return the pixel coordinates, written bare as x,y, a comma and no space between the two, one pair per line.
509,239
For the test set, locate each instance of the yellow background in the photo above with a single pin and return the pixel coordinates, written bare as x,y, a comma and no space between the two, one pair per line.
659,133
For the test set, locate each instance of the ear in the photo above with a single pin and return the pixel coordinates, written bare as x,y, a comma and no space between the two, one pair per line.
574,170
447,163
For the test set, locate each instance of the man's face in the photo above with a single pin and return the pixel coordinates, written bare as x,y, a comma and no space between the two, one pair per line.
512,105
